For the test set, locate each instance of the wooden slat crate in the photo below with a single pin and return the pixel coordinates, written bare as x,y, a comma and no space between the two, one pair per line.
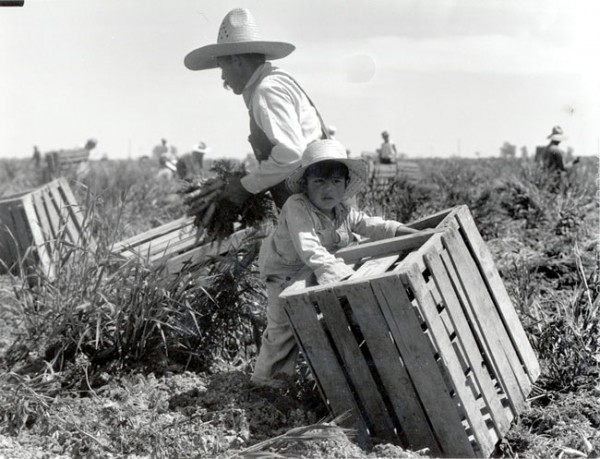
61,161
408,170
422,344
170,238
34,224
176,244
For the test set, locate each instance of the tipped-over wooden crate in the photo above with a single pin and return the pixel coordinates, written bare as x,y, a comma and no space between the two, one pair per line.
35,225
176,245
422,344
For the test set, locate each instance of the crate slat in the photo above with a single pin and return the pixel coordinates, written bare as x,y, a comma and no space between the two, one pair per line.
374,267
199,253
45,222
42,216
499,293
469,406
502,354
45,258
384,247
163,245
323,361
174,247
414,428
64,211
77,215
473,354
56,211
51,214
181,224
354,363
485,353
435,220
421,365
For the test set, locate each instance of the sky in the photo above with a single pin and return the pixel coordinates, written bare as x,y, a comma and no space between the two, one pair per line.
443,77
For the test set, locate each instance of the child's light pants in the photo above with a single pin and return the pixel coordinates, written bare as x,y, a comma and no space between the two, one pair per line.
279,351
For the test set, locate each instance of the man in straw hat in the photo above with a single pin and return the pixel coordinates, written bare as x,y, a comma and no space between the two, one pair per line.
552,157
283,120
313,224
191,164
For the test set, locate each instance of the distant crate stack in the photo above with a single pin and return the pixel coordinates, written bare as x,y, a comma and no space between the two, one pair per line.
422,345
33,225
383,174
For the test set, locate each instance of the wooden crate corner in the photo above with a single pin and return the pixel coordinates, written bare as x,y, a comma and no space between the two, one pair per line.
34,224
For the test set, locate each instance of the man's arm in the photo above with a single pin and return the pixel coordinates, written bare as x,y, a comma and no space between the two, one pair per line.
276,110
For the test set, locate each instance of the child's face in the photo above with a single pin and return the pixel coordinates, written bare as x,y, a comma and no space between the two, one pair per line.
325,192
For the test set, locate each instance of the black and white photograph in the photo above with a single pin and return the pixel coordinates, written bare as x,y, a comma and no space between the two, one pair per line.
299,229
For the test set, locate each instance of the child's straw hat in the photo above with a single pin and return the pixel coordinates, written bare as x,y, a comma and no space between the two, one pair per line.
330,149
238,34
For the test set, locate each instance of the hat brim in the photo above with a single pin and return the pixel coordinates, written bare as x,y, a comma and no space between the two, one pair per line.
205,57
557,137
358,170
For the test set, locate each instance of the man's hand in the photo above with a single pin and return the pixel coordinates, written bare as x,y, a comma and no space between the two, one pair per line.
235,192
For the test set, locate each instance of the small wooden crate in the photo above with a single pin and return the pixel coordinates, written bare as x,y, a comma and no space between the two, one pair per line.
34,223
422,344
61,161
382,174
176,244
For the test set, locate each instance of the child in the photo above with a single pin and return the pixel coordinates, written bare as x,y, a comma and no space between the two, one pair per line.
313,223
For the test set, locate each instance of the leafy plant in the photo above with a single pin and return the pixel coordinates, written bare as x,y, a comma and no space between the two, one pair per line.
569,342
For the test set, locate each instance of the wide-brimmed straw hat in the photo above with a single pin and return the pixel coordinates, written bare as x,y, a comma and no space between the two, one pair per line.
326,150
557,134
201,147
238,34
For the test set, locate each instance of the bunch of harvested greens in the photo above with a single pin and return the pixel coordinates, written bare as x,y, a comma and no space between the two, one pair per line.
219,216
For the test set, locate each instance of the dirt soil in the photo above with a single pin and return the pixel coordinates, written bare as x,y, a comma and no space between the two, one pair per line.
222,415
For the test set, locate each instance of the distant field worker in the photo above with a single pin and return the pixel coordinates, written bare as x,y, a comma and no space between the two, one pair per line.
313,223
165,151
387,152
191,164
166,168
552,157
37,156
283,120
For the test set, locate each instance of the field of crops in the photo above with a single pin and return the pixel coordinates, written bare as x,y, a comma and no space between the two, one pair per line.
110,360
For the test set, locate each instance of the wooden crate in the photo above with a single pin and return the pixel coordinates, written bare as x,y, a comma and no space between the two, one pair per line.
61,161
35,223
177,244
384,173
422,344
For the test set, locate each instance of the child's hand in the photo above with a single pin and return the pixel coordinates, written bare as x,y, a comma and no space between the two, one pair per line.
403,230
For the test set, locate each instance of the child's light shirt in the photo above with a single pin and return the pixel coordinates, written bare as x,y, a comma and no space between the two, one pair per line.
305,236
